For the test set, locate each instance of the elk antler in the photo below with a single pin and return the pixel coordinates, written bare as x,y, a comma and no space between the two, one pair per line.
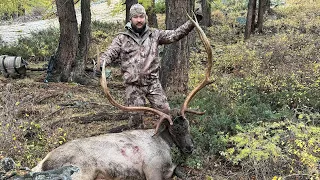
97,69
104,85
206,81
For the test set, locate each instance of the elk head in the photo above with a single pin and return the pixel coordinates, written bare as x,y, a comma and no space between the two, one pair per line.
178,129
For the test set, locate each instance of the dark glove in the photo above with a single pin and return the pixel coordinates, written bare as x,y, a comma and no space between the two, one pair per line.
198,13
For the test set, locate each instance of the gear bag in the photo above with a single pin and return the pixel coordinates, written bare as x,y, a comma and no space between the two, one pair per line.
13,66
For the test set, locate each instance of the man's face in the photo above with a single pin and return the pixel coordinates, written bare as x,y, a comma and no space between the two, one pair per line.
138,22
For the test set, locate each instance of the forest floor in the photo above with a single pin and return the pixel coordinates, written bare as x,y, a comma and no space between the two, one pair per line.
67,111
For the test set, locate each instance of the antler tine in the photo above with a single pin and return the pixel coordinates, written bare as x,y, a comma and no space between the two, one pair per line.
98,61
104,85
206,81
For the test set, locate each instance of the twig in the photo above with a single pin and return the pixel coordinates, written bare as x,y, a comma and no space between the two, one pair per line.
297,175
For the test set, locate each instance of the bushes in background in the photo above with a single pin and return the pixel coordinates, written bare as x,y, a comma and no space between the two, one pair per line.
262,111
40,45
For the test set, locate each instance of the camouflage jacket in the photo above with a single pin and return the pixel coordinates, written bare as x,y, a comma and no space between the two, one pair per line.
138,54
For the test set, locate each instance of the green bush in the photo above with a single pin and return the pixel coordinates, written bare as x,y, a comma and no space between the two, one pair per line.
43,44
160,7
272,149
206,129
223,115
102,35
39,45
258,84
110,28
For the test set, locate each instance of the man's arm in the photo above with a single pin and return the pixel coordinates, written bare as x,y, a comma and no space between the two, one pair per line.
170,36
113,51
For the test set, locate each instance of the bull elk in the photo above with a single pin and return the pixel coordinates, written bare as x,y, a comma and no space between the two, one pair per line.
135,154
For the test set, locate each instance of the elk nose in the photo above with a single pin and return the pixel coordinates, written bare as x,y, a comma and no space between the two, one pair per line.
189,149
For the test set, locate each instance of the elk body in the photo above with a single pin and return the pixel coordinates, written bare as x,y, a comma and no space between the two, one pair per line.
135,154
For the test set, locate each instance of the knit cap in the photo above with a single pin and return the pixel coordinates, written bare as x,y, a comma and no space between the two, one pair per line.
137,9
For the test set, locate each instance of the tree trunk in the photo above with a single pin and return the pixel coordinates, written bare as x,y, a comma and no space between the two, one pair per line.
68,42
175,63
262,10
85,35
249,21
206,12
260,15
152,17
129,3
253,24
268,6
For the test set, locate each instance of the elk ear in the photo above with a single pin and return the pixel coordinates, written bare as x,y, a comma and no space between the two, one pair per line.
164,125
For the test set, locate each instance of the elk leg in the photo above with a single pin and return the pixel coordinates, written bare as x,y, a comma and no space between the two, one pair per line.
155,172
154,175
179,173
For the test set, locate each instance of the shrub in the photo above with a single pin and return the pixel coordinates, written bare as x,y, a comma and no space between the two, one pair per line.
160,7
258,84
26,141
102,35
43,44
21,136
206,129
272,149
39,45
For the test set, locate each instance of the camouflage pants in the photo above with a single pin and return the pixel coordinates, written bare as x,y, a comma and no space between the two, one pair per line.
138,96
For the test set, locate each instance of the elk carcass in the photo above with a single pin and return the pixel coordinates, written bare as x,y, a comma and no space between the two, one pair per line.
135,154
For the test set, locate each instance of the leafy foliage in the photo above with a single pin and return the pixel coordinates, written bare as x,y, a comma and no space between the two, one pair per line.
28,141
262,111
20,136
159,6
19,6
40,45
102,35
279,148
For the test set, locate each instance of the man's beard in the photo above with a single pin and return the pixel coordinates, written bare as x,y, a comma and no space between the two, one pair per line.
138,30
